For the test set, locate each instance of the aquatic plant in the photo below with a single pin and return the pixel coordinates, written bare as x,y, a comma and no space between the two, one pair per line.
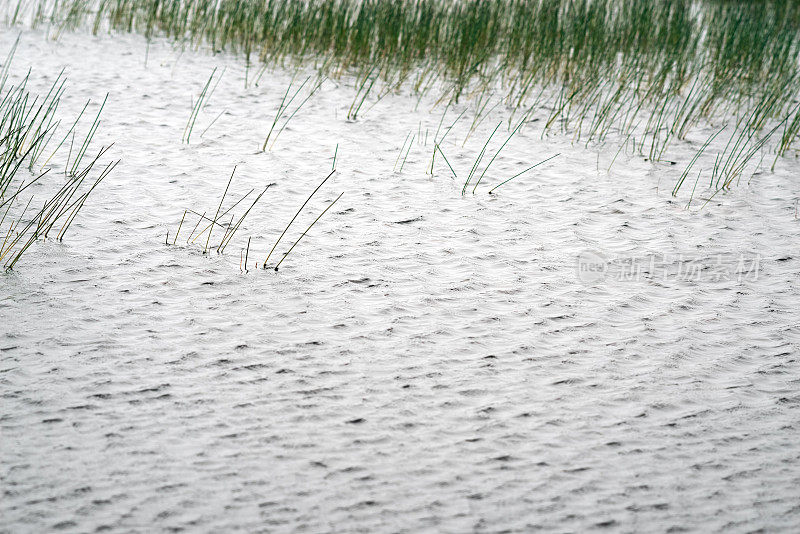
229,229
645,73
730,164
27,124
437,147
296,215
284,106
610,57
198,104
491,191
305,232
497,153
478,160
407,151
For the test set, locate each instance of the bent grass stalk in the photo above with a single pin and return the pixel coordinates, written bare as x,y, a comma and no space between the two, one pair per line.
495,156
212,122
440,141
289,118
436,136
308,229
282,107
400,153
203,216
187,131
179,227
295,216
224,193
88,139
407,152
437,147
229,235
523,172
478,160
223,214
693,161
111,166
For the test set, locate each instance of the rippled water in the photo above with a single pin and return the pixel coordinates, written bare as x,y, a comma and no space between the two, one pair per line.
422,361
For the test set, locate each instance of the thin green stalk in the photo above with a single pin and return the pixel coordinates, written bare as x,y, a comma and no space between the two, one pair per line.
308,229
295,216
523,172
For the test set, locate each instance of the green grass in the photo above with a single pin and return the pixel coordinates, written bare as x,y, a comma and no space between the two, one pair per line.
198,105
522,172
609,66
229,228
305,232
280,237
646,72
34,202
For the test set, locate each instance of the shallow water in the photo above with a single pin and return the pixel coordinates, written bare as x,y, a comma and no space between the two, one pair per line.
422,361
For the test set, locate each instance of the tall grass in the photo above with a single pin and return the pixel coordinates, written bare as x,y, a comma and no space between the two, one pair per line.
283,108
280,237
648,72
197,106
217,222
606,62
28,123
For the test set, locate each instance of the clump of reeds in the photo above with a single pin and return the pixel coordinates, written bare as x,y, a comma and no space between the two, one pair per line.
27,125
475,177
648,73
206,227
607,60
745,142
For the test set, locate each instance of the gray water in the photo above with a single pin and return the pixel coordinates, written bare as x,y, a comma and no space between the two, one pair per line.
423,361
